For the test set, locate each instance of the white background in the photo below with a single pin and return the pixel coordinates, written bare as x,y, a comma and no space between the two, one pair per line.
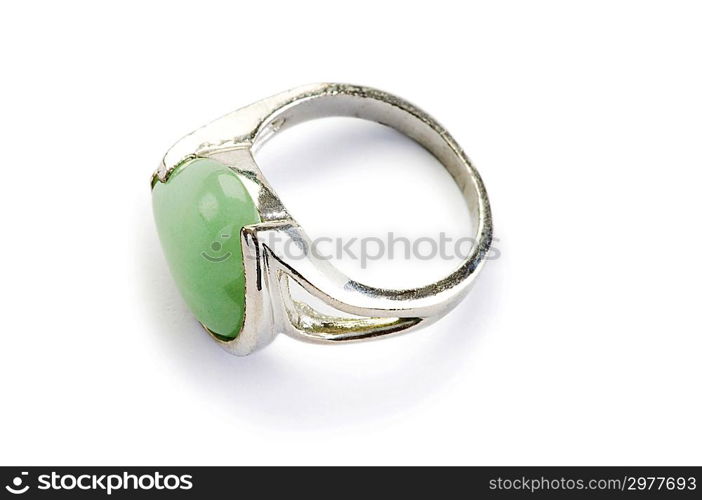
579,345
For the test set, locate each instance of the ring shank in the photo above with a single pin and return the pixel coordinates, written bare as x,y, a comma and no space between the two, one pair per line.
334,100
391,112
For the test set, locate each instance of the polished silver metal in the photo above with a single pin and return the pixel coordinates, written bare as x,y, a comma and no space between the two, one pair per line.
366,312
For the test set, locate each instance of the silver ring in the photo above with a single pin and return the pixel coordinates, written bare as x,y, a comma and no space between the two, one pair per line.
224,147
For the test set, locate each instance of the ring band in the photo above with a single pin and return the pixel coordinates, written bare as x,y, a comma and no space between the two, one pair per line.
208,193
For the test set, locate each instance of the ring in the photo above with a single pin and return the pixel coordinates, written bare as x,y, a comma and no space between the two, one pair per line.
220,224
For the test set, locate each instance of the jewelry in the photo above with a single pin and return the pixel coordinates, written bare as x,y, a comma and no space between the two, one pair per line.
217,219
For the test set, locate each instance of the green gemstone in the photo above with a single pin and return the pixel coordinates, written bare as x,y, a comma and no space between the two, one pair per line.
199,214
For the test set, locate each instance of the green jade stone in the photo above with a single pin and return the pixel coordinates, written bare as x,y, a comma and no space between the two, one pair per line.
199,213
